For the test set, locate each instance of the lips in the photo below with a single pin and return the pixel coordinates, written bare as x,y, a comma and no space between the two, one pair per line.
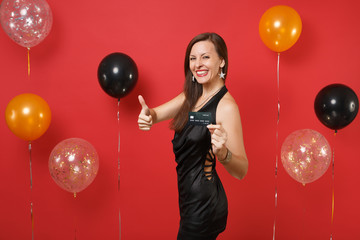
201,73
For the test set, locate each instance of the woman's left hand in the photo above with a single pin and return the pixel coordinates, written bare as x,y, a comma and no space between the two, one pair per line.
218,140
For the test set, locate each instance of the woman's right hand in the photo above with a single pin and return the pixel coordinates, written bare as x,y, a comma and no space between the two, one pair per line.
145,120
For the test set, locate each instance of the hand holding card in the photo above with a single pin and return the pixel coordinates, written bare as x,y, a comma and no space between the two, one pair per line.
218,140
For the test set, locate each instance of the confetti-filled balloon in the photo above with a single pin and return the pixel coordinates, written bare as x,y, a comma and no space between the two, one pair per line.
73,164
305,155
27,22
28,116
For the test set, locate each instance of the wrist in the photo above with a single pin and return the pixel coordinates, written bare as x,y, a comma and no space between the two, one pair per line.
227,157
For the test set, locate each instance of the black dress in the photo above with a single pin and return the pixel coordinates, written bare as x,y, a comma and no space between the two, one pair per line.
202,199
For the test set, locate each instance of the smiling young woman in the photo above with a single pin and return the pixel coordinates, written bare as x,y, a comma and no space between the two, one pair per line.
202,199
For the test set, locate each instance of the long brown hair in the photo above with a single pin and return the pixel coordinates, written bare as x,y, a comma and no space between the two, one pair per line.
193,90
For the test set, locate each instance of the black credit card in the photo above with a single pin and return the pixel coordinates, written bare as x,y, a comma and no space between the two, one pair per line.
200,118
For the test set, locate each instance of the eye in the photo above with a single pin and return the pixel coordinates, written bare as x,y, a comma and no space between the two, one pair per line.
192,58
206,57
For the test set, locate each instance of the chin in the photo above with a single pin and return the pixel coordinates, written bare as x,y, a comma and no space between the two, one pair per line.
202,81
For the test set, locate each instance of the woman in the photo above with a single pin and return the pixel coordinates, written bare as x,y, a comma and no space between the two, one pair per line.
202,199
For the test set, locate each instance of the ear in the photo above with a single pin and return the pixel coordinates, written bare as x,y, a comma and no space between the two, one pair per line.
222,64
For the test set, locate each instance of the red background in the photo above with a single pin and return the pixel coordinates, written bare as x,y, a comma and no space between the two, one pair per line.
155,34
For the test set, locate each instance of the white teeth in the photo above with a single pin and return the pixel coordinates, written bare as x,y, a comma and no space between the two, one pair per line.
201,72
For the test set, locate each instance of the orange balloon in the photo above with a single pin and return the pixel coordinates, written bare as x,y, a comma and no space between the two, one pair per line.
28,116
280,28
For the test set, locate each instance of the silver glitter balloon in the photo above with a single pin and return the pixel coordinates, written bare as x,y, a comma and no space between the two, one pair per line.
27,22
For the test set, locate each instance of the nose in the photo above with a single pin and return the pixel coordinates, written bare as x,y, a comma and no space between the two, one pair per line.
198,63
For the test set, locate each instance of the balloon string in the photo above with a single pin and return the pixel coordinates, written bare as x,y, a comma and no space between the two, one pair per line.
30,165
278,86
277,141
119,224
75,217
28,62
118,120
304,213
333,190
32,221
31,203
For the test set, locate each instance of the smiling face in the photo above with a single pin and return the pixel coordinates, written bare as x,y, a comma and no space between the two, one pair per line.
204,62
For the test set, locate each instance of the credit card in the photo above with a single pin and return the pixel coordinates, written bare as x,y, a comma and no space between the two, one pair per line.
200,118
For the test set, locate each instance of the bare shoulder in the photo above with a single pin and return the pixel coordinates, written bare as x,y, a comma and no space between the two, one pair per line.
227,108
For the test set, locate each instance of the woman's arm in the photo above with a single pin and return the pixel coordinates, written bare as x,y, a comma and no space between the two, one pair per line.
227,136
149,116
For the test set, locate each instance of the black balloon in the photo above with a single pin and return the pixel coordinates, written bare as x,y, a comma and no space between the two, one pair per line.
336,106
117,74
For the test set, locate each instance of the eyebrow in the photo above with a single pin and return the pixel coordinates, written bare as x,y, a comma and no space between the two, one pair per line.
191,55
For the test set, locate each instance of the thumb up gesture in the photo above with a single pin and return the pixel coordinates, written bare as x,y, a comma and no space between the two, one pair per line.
145,119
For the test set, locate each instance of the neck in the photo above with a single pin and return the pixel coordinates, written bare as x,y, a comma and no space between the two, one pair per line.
204,98
210,89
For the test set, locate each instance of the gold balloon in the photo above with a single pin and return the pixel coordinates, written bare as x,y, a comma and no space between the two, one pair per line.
280,28
28,116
